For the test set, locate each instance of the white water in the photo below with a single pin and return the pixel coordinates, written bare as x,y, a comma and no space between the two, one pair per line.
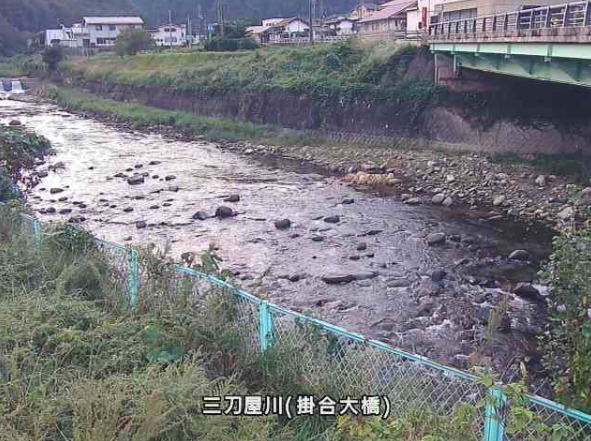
17,87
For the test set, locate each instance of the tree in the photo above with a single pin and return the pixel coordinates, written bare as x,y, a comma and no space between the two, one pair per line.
132,42
52,57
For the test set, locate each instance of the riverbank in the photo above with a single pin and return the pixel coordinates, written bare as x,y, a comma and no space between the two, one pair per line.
527,189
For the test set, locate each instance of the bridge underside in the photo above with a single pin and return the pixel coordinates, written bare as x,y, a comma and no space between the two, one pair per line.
561,63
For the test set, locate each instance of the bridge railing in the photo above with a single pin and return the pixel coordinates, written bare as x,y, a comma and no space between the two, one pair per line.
568,15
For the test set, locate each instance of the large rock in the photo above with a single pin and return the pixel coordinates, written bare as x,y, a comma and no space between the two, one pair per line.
567,213
201,215
519,255
342,278
224,212
141,224
338,279
438,199
232,198
136,180
332,219
282,224
56,190
499,200
541,181
15,122
412,201
170,178
527,291
436,239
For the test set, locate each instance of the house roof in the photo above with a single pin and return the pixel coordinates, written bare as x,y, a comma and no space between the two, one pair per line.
114,20
256,30
395,3
389,11
287,21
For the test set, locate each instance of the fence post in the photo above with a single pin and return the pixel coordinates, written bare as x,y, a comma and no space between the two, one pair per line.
36,225
265,326
132,278
494,428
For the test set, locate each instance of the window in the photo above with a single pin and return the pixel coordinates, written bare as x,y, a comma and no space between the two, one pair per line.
112,28
99,27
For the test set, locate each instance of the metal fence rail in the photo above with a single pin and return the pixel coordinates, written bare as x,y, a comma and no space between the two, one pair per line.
569,15
356,364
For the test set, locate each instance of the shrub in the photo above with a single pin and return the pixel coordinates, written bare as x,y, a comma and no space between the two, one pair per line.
132,42
568,345
231,45
52,56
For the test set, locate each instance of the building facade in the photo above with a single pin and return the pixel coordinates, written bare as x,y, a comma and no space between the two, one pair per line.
449,10
170,35
103,31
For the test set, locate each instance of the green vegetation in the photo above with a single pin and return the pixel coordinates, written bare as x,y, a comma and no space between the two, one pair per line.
334,74
230,44
18,150
214,129
52,56
575,165
132,42
568,345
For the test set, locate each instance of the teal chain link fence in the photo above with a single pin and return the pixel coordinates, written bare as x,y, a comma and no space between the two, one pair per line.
348,361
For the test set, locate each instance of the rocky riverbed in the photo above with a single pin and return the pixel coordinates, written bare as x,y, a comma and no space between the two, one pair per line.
418,264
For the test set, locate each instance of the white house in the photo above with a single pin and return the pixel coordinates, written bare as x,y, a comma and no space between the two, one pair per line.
103,31
170,35
341,26
274,30
60,37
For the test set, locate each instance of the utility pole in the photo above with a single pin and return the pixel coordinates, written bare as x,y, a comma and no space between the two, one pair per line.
311,7
170,27
189,32
321,10
220,13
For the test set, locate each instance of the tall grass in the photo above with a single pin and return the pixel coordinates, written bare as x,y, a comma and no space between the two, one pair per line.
344,69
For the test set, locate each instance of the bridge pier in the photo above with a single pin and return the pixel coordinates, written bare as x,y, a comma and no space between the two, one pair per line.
450,73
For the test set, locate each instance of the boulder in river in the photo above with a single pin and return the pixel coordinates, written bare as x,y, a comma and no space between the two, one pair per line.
438,199
223,212
361,246
201,215
136,180
519,255
436,239
154,162
348,201
282,224
141,224
332,219
338,279
232,198
56,190
170,178
15,122
342,278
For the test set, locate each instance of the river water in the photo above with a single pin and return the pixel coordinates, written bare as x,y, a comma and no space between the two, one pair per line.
393,299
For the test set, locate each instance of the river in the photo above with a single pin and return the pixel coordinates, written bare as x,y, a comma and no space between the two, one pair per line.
399,295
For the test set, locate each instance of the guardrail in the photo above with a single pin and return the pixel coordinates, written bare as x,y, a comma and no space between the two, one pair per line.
411,382
569,15
306,40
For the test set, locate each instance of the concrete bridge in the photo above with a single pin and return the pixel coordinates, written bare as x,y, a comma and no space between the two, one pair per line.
551,43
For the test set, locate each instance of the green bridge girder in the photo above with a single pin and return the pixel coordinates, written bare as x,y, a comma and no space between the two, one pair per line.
557,62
